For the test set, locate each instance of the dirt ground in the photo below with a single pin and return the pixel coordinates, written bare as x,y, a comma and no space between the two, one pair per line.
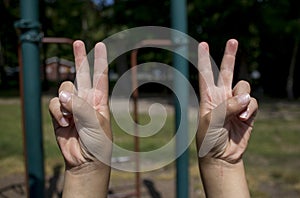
14,186
121,185
163,180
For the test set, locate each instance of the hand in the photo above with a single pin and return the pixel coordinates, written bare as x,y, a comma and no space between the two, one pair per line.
226,114
81,117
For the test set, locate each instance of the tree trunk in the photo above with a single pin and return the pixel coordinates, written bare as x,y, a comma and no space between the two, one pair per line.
243,73
290,78
3,80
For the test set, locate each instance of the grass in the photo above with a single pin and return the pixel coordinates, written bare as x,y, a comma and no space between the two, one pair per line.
11,159
272,159
273,156
154,142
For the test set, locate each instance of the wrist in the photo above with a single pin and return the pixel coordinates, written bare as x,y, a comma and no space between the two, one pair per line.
86,168
215,162
90,179
223,179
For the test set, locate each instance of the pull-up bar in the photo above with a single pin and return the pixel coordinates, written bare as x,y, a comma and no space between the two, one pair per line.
30,91
179,22
30,88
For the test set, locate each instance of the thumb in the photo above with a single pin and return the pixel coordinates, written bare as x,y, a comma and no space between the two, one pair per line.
91,127
215,137
83,112
66,102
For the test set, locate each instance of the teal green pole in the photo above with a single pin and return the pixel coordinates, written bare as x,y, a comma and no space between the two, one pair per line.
179,22
31,96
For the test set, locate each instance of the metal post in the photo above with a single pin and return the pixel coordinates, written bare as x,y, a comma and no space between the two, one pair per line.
31,96
179,22
135,96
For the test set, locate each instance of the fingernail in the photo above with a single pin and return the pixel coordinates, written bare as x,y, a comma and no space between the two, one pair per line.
65,113
231,47
244,99
64,96
233,42
244,114
64,122
203,46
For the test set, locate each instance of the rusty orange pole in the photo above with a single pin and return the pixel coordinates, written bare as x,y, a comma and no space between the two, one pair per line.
135,95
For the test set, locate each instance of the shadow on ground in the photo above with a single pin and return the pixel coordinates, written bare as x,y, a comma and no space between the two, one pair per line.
14,186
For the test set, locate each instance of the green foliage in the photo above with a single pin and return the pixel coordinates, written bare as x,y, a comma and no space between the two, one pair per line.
216,22
79,19
266,30
8,36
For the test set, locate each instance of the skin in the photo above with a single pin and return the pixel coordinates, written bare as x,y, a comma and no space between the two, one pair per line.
222,169
85,176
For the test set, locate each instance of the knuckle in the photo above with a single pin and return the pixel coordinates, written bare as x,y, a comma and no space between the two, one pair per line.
254,102
54,107
66,85
53,102
245,85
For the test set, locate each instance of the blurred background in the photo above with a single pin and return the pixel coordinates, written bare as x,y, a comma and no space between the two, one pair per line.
268,32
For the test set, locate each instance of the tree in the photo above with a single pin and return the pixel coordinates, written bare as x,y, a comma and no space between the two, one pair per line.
268,31
280,35
8,38
75,19
218,21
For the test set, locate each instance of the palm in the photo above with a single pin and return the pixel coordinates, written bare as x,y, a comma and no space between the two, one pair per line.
93,99
68,141
211,98
235,132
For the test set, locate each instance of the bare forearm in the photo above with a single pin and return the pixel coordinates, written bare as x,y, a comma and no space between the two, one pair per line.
222,179
89,180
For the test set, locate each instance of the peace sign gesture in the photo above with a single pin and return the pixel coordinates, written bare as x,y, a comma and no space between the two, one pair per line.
81,120
226,121
226,114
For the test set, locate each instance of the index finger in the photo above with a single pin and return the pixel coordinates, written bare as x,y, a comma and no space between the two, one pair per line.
206,77
83,78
